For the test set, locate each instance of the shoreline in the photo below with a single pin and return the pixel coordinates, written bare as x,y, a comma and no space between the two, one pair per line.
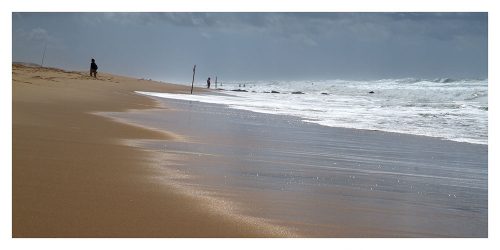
254,102
156,98
71,179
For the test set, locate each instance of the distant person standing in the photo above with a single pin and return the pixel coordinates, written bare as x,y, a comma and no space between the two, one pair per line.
208,83
93,68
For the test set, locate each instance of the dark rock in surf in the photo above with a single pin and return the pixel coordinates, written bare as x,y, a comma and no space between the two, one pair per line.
371,92
275,92
239,90
298,93
325,93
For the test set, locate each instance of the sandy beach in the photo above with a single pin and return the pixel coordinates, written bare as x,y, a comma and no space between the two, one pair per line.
72,176
93,158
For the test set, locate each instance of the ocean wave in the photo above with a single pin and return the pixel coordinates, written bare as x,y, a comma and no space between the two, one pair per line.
448,108
477,95
445,80
411,80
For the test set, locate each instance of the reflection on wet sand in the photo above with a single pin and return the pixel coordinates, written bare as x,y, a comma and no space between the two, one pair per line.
322,181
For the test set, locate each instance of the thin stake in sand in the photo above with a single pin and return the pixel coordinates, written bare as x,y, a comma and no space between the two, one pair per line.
43,56
192,82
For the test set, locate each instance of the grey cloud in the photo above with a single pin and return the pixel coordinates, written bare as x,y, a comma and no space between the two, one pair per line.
187,19
274,24
38,34
34,35
309,28
174,18
441,26
304,26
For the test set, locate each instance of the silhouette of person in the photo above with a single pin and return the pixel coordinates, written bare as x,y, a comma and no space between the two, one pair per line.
93,68
208,83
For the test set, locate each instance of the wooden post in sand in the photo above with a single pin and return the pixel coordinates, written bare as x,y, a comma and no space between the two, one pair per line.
215,82
192,83
43,56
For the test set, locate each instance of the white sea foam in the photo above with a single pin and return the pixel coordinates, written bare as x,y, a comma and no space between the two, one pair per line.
446,108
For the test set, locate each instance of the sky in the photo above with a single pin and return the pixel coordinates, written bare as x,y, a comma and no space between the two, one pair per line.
258,46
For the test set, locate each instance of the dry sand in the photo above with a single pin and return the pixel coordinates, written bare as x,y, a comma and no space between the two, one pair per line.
71,176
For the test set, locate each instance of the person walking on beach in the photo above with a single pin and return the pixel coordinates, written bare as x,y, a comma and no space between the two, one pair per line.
208,83
93,68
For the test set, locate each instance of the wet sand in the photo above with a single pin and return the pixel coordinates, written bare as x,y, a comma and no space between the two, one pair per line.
321,181
73,177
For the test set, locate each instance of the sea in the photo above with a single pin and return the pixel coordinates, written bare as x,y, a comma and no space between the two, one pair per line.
450,109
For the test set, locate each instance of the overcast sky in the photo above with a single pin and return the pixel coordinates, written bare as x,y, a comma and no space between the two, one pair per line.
258,46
